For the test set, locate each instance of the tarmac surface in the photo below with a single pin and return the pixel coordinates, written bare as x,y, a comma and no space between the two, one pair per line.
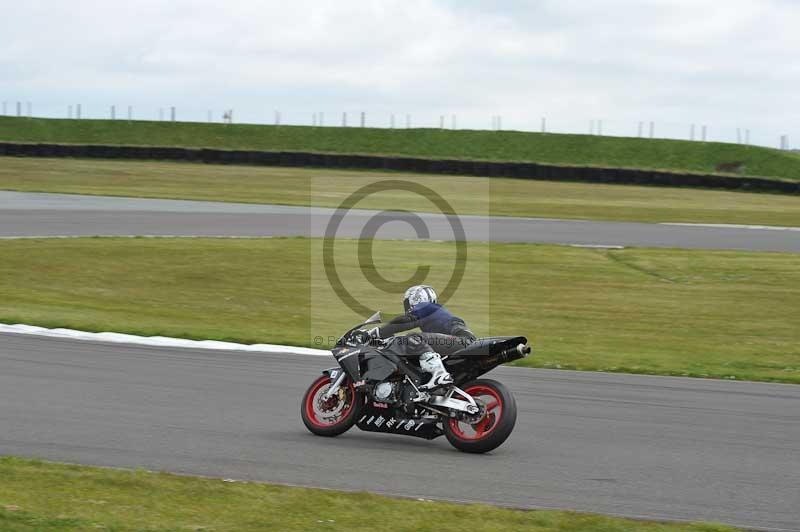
653,447
36,214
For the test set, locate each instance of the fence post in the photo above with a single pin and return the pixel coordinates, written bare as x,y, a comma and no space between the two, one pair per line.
113,112
391,122
705,128
172,113
452,121
363,118
344,119
19,109
441,121
314,119
738,135
641,127
747,137
691,132
78,111
652,129
321,119
130,113
600,128
544,125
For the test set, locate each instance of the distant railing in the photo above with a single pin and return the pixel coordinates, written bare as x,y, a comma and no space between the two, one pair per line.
660,129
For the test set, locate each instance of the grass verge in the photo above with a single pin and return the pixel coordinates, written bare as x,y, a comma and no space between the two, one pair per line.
676,155
471,195
715,314
45,496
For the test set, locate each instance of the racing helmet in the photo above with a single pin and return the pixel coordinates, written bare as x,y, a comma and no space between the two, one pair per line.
417,294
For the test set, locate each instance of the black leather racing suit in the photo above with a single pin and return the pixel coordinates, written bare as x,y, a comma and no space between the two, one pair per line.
441,331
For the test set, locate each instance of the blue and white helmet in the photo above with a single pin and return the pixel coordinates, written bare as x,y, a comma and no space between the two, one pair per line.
420,293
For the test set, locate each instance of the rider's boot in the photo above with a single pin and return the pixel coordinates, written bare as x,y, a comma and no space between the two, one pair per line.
431,362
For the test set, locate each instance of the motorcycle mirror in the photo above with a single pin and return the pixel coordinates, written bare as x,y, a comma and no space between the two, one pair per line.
375,318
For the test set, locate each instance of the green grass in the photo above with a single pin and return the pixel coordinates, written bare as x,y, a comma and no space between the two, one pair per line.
701,157
656,311
469,195
45,496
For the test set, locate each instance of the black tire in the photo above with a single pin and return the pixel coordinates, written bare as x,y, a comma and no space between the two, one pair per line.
340,426
501,425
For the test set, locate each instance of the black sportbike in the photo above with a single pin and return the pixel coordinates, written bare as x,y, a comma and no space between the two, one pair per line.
375,388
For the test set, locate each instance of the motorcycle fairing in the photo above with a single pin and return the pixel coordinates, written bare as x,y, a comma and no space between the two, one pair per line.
348,359
394,421
368,363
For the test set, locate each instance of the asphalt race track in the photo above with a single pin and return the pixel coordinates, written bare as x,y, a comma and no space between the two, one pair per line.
654,447
32,214
658,447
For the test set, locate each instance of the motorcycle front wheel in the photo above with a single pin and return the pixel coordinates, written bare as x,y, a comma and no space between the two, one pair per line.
493,428
333,416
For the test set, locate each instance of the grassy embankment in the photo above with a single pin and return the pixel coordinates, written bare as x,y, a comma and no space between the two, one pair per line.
44,496
697,313
469,195
617,152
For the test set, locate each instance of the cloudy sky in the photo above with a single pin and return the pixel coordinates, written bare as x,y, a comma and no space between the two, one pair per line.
727,64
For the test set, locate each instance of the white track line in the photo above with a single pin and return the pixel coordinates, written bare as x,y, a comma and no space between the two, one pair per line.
158,341
735,226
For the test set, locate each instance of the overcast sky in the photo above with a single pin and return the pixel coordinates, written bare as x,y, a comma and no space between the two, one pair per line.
727,64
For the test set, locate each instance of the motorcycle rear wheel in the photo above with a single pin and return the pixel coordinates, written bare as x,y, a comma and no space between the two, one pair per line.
495,426
334,416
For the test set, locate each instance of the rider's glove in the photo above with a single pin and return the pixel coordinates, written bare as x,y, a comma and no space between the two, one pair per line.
361,337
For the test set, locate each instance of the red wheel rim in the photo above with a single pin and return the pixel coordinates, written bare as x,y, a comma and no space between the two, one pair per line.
494,411
316,408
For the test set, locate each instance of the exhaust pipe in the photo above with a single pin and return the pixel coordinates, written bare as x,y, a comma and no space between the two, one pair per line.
514,353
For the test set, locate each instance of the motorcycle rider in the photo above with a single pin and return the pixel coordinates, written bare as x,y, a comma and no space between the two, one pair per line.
442,332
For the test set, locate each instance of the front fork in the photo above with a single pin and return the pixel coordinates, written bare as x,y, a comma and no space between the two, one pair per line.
337,378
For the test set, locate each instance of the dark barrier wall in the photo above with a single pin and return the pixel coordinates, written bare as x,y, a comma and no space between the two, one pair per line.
589,174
